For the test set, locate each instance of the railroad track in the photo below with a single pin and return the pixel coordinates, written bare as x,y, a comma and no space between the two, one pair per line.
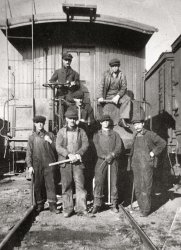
147,243
7,242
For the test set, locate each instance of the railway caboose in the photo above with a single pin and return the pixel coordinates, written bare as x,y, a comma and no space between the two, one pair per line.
39,34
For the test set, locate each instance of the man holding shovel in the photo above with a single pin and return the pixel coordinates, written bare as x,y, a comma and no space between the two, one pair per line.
108,146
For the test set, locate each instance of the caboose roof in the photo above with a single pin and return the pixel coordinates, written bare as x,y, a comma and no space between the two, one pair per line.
19,13
57,17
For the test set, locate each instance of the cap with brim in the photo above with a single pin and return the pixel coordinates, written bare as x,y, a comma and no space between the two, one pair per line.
105,118
79,94
71,113
137,121
138,116
114,62
67,56
39,118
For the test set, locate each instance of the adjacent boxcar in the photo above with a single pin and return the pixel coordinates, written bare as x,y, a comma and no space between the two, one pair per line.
176,48
160,93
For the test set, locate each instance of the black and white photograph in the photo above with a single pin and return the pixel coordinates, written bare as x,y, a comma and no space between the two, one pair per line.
90,124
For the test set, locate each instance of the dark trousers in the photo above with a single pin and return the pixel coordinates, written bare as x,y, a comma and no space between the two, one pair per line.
100,176
69,173
44,185
143,177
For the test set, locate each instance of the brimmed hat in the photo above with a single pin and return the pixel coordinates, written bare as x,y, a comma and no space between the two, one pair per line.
105,118
39,118
114,62
79,94
138,116
71,113
67,56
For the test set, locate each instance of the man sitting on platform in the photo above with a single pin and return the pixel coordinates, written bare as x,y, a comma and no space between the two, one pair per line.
113,87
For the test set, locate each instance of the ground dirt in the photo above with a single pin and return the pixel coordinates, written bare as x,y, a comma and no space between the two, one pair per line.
105,230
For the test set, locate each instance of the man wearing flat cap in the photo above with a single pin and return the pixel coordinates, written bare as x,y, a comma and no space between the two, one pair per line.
40,152
72,143
87,122
85,112
146,147
113,87
66,77
108,146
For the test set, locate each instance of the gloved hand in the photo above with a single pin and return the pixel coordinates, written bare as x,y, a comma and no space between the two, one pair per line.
109,158
101,99
72,83
79,158
73,158
47,138
115,99
79,121
30,170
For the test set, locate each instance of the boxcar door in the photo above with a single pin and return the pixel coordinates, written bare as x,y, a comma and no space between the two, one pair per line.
83,63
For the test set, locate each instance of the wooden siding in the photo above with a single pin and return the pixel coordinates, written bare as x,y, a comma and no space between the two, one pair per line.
160,93
132,65
159,87
177,57
103,43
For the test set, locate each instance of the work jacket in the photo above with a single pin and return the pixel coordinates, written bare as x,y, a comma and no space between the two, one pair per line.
105,144
64,76
61,143
40,152
154,143
106,81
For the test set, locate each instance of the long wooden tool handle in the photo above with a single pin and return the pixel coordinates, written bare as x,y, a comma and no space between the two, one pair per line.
59,162
109,183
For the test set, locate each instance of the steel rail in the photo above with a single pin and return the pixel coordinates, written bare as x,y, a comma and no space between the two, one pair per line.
21,221
15,228
145,239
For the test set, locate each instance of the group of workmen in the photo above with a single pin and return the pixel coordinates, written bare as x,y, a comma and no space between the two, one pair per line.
84,141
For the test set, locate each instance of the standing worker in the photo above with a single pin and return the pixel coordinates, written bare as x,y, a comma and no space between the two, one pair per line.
108,146
86,121
40,152
72,143
113,87
146,146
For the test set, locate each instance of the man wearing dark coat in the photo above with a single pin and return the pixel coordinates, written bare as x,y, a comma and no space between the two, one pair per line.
40,152
108,146
146,146
66,77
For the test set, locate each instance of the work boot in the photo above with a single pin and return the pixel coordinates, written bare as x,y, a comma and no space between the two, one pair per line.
115,209
53,208
68,214
122,123
82,213
40,207
96,209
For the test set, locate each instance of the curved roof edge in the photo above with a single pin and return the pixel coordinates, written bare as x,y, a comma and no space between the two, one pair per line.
176,44
57,17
